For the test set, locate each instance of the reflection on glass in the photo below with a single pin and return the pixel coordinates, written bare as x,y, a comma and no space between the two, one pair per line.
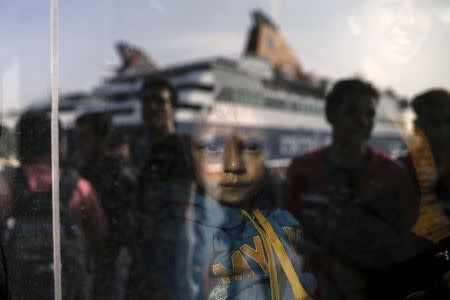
177,139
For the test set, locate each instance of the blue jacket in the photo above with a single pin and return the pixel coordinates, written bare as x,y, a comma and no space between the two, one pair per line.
200,249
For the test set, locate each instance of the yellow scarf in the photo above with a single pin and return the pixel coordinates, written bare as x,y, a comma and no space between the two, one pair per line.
432,224
273,244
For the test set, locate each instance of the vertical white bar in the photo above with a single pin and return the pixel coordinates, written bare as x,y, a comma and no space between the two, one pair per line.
55,147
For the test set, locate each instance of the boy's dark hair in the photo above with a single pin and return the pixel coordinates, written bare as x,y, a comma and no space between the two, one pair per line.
101,123
159,83
33,132
7,142
424,102
344,87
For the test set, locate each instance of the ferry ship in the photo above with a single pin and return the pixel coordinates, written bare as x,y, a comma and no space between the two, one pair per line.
266,90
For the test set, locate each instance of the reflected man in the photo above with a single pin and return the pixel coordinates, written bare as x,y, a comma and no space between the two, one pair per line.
357,206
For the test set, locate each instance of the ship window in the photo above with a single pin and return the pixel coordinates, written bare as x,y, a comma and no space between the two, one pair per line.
225,94
249,97
276,103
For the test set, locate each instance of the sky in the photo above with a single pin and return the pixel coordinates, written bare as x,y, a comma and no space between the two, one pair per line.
401,44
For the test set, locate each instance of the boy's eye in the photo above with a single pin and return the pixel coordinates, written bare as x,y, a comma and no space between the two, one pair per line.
212,147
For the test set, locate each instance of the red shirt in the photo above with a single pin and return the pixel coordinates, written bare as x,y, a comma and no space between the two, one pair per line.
308,181
379,183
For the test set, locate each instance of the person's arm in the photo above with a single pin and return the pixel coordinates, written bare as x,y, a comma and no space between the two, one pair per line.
87,209
5,212
6,204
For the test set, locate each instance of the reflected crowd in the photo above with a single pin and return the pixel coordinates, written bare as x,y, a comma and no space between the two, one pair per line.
169,215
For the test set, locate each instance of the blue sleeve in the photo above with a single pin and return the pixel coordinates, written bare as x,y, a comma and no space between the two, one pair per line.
284,218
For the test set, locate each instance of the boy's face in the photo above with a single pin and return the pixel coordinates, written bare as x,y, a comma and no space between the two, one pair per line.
353,119
230,164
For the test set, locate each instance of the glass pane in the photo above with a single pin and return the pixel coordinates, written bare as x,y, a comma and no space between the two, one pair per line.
303,107
233,149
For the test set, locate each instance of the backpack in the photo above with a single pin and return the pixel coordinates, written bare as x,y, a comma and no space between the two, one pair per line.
28,241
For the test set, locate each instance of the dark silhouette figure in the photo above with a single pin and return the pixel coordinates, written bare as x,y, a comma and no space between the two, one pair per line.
428,161
114,182
357,206
164,160
26,218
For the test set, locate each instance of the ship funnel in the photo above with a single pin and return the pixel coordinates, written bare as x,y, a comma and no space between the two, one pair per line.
133,60
265,41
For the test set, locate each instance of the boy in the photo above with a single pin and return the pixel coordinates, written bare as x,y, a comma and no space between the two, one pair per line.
213,242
